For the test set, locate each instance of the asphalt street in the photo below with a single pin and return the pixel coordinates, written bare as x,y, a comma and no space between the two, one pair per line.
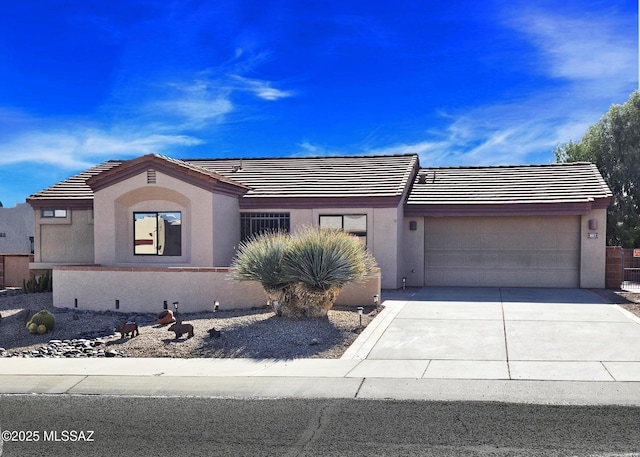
88,426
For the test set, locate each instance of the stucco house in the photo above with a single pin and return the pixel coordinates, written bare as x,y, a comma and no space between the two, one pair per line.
127,234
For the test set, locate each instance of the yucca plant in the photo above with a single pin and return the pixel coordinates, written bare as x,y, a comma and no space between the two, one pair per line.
260,259
305,271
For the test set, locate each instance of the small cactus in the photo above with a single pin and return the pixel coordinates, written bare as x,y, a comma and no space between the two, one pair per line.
43,317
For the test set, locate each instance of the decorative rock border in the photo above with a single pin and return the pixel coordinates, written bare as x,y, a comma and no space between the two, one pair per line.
68,348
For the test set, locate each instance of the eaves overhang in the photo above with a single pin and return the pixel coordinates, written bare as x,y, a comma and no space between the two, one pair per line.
506,209
258,203
61,203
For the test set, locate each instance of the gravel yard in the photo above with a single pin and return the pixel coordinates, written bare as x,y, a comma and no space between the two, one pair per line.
256,333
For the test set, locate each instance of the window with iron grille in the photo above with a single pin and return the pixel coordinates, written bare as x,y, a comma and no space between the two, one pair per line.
255,223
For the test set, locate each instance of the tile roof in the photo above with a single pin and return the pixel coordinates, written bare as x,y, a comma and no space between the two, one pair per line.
330,176
74,188
324,177
565,183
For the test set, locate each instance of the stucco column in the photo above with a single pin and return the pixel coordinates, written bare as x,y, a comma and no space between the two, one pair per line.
593,241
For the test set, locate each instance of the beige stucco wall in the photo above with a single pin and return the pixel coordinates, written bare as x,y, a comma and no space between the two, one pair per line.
226,229
412,258
210,222
383,233
138,290
63,240
387,224
593,250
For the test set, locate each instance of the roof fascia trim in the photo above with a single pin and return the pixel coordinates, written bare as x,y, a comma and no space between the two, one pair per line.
60,203
511,209
260,203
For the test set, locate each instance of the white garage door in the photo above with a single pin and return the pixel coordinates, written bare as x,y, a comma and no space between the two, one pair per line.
527,251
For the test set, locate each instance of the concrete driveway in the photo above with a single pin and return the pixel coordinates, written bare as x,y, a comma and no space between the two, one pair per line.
500,333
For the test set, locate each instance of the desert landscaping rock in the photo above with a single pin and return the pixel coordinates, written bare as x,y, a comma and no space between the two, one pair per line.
68,348
253,333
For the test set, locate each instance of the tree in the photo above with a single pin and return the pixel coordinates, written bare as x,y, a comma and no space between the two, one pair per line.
613,145
302,274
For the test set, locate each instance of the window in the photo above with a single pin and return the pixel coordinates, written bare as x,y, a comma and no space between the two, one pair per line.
60,213
255,223
355,224
3,235
157,233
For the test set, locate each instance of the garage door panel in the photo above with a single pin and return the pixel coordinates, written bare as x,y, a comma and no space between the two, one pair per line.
503,251
454,260
435,260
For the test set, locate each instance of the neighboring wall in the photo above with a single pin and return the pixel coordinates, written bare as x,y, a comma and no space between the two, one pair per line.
617,260
614,268
16,229
14,269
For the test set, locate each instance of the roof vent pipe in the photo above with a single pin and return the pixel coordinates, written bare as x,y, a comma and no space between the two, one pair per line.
422,178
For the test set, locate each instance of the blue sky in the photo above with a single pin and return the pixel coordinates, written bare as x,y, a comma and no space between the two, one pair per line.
460,83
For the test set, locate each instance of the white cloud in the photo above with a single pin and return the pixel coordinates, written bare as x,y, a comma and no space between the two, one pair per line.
82,148
261,89
310,149
582,48
497,135
207,98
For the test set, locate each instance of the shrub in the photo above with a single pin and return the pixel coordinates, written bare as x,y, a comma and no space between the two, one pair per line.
302,274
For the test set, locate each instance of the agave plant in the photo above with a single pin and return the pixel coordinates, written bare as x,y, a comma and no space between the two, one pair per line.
303,273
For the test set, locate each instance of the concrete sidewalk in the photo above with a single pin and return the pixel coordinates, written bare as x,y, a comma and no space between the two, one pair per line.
516,345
